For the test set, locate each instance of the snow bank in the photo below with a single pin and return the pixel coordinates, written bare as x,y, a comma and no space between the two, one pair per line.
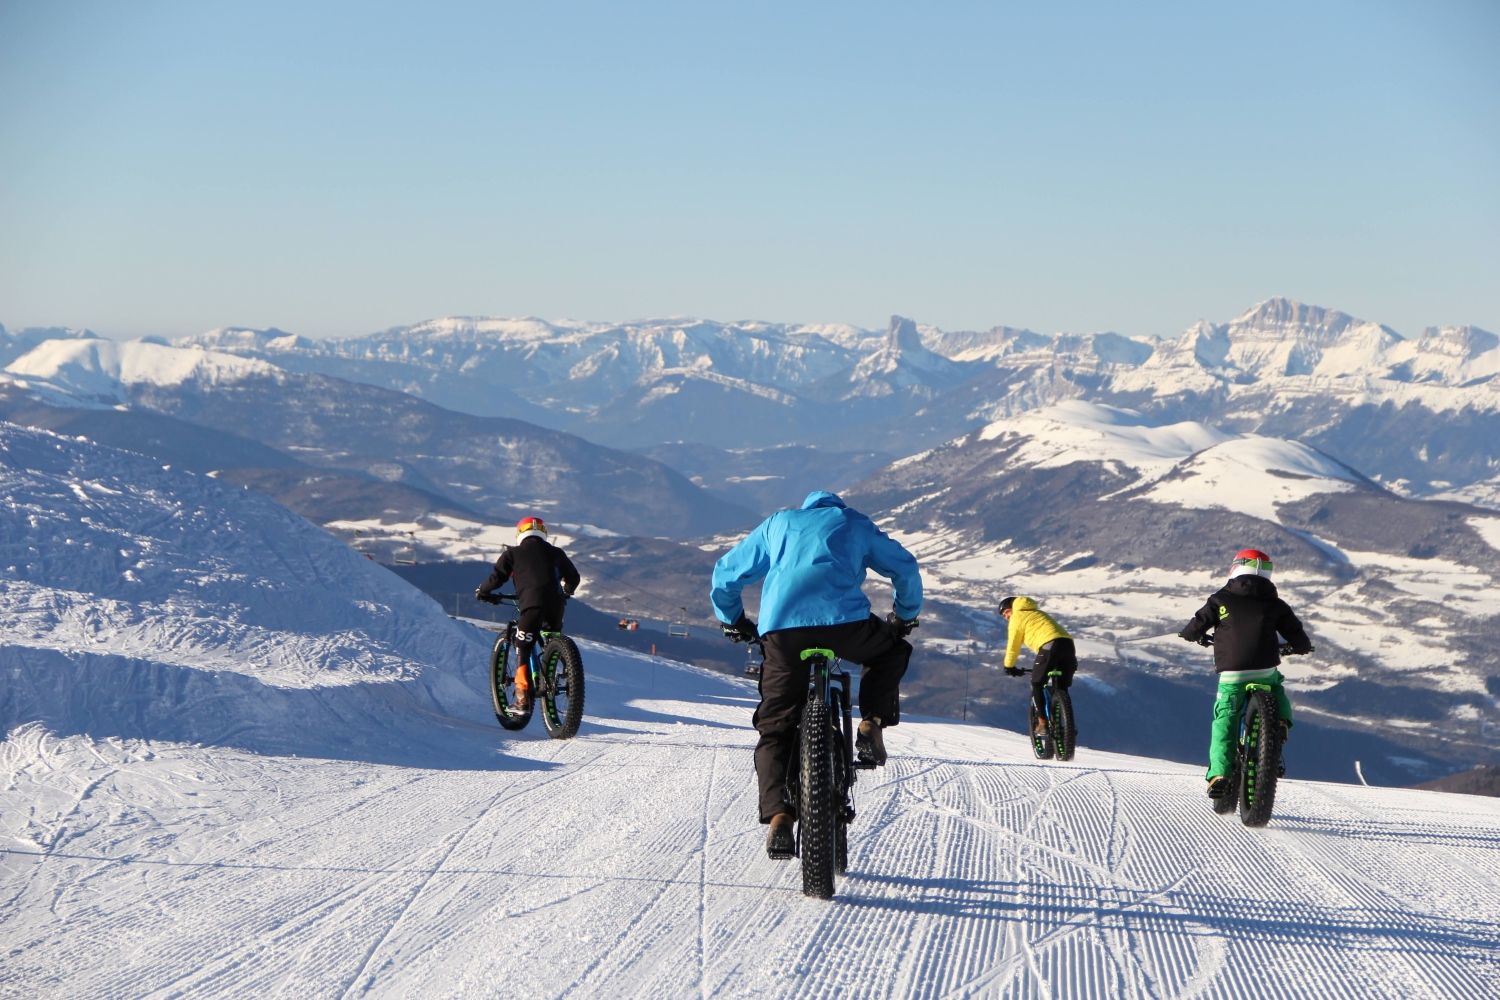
151,603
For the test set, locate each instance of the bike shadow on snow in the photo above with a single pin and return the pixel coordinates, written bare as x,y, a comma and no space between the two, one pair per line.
394,722
1177,912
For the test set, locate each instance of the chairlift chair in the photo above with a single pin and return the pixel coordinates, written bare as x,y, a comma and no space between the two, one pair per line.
628,624
678,630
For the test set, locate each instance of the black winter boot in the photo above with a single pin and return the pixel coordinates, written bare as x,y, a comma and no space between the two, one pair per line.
869,743
780,844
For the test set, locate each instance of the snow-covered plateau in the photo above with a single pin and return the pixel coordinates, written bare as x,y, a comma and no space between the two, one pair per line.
240,760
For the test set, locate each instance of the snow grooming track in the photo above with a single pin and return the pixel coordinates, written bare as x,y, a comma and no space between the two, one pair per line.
158,837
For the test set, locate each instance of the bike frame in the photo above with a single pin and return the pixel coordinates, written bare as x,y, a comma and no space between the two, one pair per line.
1049,690
540,678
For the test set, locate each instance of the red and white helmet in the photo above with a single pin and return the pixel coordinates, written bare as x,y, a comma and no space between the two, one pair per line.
1251,562
533,526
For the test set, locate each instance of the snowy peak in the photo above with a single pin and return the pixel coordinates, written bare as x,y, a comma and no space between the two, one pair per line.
1079,431
903,363
1280,337
1253,475
1465,343
98,371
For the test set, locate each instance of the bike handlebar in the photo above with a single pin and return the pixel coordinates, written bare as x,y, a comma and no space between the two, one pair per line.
1285,648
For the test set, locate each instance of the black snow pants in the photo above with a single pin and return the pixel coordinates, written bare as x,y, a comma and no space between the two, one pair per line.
1059,654
783,689
529,625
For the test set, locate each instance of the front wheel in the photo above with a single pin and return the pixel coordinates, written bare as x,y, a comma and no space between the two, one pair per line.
562,693
820,806
503,686
1064,733
1262,756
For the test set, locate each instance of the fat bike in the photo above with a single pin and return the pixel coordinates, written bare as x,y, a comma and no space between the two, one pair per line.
1061,736
554,676
1257,764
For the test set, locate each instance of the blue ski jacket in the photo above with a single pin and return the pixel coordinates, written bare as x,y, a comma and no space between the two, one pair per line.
814,561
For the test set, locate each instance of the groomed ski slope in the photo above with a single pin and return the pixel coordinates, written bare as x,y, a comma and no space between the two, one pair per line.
627,863
241,761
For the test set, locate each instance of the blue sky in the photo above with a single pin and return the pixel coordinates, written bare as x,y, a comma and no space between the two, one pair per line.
336,168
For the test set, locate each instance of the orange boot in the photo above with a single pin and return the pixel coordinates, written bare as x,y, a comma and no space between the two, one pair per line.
523,688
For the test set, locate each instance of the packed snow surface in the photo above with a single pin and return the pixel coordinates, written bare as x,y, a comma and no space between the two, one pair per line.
188,809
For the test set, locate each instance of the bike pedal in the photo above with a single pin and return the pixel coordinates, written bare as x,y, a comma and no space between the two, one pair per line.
860,765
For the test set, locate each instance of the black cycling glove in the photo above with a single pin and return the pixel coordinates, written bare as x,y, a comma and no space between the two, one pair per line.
1015,671
743,630
901,626
482,597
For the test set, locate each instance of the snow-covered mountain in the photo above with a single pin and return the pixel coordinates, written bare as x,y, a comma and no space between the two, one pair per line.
238,760
492,466
1122,527
1420,413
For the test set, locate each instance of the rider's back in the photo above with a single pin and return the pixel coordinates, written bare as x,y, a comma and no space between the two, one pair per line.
1246,614
542,573
814,561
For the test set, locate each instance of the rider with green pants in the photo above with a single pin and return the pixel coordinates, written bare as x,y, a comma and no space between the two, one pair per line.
1245,616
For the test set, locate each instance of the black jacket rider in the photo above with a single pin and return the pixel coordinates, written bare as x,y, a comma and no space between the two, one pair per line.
542,571
1245,616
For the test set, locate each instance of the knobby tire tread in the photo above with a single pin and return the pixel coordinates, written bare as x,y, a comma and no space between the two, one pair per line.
1262,753
821,803
560,657
504,713
1064,733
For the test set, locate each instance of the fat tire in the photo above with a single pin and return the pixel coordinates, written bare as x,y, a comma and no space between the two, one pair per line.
564,666
1040,745
820,807
505,713
1064,733
1262,754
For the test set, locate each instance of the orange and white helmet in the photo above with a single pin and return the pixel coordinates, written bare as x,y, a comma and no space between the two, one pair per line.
528,527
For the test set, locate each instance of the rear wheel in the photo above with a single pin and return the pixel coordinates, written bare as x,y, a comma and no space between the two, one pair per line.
562,694
503,685
1064,734
1040,745
1262,755
820,807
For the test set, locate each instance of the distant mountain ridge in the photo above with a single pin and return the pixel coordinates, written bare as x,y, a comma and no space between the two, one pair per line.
1421,414
445,461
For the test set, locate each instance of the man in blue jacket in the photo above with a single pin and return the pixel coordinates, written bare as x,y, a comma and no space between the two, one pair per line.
814,562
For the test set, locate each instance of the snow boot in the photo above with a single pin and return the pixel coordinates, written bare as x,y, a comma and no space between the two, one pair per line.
1042,727
1218,786
869,744
780,845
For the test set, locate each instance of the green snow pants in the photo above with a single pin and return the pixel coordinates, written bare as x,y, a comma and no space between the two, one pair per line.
1227,707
